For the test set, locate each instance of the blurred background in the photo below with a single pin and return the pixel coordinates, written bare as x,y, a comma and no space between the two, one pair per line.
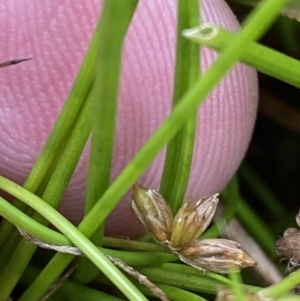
274,153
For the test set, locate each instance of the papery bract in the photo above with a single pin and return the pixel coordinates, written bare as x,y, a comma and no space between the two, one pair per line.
192,219
153,212
216,255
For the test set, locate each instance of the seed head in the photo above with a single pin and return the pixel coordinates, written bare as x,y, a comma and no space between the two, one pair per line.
180,235
153,212
216,255
192,219
287,247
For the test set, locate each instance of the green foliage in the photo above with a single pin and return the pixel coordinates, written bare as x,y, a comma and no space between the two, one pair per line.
87,111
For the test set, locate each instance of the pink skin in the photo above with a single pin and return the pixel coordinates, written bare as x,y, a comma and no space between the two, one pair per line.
56,34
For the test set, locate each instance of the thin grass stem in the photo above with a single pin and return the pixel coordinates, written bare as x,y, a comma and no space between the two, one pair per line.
262,58
114,22
180,149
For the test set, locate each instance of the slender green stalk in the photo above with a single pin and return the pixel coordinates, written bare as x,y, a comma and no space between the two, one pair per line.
185,277
141,258
70,290
7,247
52,237
155,254
75,236
262,58
180,149
49,236
29,225
281,287
48,276
237,286
132,244
180,280
218,280
173,293
12,271
76,292
113,25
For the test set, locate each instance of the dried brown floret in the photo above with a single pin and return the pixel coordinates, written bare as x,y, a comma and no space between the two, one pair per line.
180,234
216,255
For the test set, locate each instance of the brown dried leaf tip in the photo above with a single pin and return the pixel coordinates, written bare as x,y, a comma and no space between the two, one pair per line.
180,234
288,247
13,62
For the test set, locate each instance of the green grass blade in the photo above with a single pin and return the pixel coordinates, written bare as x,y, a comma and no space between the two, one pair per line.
114,21
237,286
70,290
173,293
284,286
180,149
29,225
262,58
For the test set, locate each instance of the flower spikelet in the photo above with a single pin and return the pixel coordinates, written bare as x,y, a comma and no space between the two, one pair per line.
153,212
216,255
192,219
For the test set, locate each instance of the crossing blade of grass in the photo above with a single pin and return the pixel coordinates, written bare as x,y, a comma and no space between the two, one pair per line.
29,225
262,58
114,21
180,149
70,290
284,286
52,237
173,293
237,286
